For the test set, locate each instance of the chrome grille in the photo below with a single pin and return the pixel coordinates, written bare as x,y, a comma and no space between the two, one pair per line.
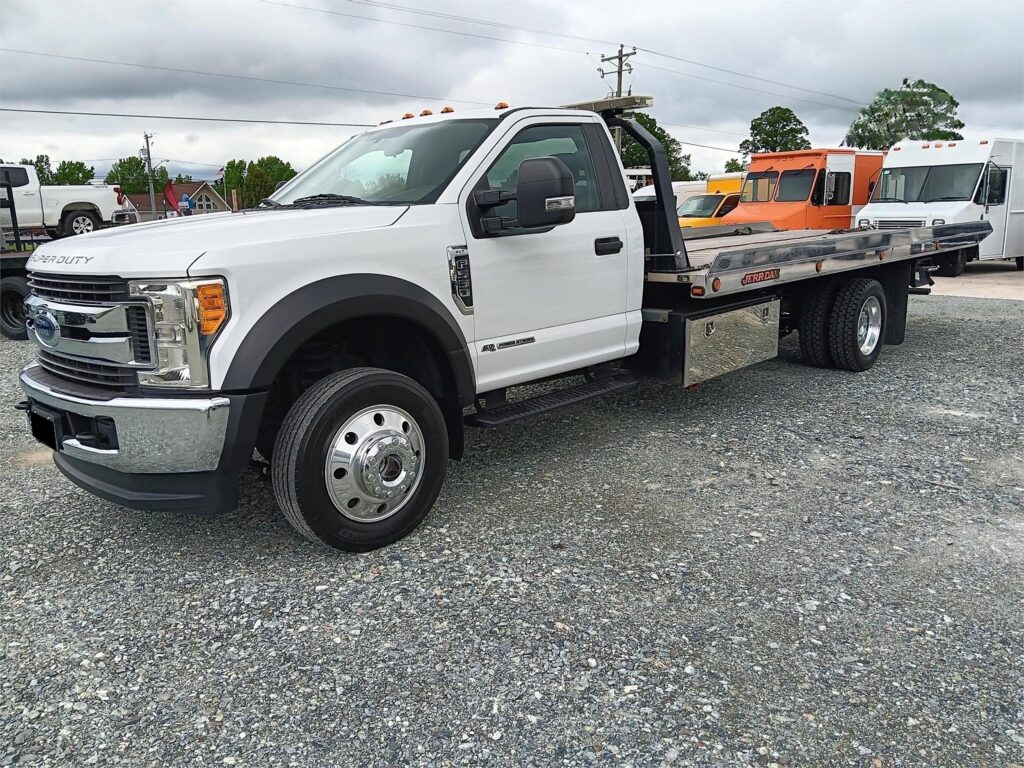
139,329
88,372
78,288
899,223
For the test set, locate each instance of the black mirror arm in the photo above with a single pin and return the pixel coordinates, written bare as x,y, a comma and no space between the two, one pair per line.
492,198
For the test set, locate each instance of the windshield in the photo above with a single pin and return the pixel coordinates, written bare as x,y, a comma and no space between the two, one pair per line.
699,207
926,183
404,165
795,186
759,187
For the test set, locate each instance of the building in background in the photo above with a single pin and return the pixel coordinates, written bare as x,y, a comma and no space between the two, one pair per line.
202,193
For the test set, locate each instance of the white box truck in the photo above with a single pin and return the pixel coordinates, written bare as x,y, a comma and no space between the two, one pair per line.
394,293
929,183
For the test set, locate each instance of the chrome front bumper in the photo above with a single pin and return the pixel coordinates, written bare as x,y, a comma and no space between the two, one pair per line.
154,435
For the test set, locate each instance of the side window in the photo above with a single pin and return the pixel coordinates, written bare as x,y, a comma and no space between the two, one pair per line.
566,142
837,189
997,185
18,176
730,202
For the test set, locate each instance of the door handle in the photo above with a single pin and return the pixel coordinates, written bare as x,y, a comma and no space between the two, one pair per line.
605,246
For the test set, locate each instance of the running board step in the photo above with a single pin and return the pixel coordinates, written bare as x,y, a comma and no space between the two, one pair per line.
501,415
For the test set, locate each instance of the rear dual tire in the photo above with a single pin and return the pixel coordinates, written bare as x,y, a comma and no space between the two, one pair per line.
360,459
843,325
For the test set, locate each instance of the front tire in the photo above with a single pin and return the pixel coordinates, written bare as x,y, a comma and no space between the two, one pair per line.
360,459
857,324
13,292
80,223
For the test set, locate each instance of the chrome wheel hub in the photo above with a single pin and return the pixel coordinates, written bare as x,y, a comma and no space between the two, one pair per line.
81,225
869,325
374,463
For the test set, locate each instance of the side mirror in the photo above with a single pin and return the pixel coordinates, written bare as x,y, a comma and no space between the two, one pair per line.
546,193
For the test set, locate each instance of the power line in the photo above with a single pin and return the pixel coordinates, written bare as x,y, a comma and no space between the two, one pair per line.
702,128
240,77
185,117
420,26
746,88
537,31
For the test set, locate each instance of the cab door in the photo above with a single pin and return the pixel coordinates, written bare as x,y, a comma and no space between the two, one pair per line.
993,194
836,208
551,301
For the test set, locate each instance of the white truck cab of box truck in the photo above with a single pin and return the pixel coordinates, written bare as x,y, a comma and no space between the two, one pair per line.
927,183
344,327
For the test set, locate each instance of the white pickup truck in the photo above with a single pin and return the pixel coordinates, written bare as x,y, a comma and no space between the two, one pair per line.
63,210
392,294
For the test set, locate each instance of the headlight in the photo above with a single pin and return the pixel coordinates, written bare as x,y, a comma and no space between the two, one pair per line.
187,315
863,222
937,222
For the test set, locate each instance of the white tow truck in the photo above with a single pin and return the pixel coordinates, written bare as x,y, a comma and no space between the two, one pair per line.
353,325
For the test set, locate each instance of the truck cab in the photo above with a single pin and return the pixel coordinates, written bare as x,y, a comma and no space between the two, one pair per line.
924,183
721,196
806,189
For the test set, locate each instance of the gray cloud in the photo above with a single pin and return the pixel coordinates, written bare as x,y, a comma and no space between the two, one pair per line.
973,49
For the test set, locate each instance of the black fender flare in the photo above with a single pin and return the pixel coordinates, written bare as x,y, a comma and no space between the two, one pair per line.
302,314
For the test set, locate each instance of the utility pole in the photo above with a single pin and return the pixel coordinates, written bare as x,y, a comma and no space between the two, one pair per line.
149,168
620,67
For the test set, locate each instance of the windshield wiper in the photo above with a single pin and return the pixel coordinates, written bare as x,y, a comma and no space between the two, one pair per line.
888,200
940,199
329,198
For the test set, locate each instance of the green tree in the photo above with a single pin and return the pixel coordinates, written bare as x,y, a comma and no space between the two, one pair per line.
917,110
73,172
732,165
635,156
182,178
777,129
42,166
277,170
234,177
129,173
257,185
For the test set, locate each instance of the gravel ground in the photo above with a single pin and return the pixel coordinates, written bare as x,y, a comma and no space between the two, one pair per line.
787,567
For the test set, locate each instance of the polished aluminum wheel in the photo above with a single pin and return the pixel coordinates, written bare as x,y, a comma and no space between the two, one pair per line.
869,325
81,225
374,463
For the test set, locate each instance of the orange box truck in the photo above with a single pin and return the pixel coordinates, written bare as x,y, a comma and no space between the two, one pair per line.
807,189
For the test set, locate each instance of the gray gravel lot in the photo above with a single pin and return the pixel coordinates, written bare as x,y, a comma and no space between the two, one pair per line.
787,567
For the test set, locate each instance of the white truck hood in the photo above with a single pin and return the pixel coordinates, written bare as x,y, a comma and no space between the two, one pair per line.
167,248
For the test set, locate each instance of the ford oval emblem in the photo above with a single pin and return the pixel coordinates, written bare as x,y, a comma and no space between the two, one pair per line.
46,328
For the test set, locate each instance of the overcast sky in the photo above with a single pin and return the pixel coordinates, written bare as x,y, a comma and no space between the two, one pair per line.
848,49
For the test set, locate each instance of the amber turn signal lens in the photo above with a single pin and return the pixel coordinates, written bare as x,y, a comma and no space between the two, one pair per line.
697,290
426,113
213,309
446,110
407,115
819,266
716,284
501,105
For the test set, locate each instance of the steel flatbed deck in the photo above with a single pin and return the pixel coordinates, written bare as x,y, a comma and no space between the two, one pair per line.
734,263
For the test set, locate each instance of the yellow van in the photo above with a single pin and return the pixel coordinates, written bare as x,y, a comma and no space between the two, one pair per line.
706,210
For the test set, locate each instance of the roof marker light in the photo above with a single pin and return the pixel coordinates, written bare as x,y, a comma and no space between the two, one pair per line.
983,141
446,110
501,105
938,144
951,144
925,146
426,113
407,115
896,149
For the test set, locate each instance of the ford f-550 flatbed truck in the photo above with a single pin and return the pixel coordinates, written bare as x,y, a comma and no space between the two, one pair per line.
350,327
